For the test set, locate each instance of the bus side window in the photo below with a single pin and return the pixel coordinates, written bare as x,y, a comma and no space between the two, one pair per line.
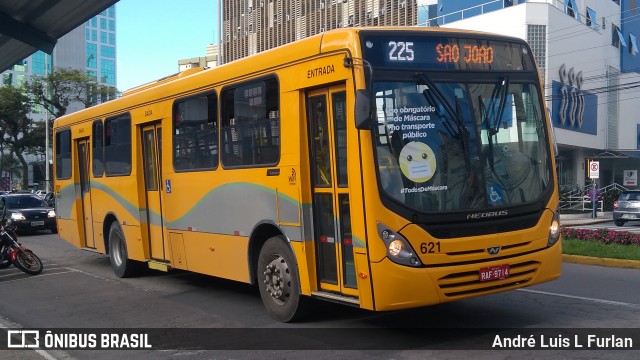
117,145
195,133
251,125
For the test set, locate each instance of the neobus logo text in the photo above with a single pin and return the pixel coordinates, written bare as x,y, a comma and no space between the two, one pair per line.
487,214
324,70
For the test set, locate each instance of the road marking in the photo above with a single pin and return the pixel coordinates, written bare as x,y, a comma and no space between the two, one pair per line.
36,276
601,301
16,271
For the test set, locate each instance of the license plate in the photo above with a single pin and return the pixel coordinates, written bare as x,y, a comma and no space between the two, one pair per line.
494,272
628,216
37,223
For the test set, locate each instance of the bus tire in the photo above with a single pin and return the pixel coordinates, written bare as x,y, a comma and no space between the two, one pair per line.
120,263
278,281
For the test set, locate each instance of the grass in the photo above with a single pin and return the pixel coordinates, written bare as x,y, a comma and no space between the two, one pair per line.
600,249
601,243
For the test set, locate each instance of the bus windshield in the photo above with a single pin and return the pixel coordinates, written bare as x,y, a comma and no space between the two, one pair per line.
458,144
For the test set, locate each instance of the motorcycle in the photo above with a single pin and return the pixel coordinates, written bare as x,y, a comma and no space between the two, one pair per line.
12,252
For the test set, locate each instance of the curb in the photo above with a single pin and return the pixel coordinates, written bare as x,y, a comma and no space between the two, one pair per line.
578,222
588,260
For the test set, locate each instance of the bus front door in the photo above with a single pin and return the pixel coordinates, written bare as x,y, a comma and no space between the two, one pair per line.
326,112
86,215
151,162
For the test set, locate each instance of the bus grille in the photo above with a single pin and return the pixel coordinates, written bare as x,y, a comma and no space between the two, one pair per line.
446,231
468,283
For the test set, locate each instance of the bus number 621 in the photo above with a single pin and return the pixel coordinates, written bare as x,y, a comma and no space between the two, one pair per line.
401,51
430,247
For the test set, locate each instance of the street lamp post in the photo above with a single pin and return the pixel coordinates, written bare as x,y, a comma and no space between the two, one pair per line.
47,186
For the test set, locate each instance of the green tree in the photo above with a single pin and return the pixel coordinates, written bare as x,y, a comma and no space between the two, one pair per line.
18,133
63,87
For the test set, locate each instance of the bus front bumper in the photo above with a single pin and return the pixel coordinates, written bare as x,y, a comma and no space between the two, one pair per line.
402,287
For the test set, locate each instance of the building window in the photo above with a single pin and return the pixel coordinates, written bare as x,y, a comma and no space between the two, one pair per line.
39,63
537,39
195,136
592,19
108,72
250,132
633,44
107,51
117,146
617,39
92,55
571,9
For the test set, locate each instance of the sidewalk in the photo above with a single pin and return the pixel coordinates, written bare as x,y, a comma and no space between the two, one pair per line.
584,218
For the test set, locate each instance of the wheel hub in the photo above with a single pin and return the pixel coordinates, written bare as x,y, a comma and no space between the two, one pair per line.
278,279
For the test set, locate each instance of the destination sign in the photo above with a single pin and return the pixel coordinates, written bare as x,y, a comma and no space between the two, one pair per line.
434,52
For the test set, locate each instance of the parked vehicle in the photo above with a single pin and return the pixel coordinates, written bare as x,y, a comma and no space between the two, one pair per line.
29,212
11,251
627,207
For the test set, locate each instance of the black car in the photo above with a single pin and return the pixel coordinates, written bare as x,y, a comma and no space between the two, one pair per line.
28,212
627,207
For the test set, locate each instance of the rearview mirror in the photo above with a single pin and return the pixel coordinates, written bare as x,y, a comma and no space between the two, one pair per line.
363,110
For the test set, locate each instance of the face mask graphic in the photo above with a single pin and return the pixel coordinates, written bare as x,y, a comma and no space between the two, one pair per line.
417,162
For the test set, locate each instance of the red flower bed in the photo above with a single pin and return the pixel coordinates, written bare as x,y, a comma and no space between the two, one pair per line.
602,235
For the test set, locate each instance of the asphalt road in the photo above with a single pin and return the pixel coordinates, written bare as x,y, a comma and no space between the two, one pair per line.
78,290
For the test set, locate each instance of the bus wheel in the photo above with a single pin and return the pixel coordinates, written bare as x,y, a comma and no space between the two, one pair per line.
120,263
278,281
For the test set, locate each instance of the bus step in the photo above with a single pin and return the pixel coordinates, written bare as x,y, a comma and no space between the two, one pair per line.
336,298
157,265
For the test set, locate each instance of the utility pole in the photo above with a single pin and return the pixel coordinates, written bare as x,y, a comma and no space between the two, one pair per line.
47,186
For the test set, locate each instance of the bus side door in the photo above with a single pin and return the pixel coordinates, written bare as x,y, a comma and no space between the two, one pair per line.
86,214
326,115
151,162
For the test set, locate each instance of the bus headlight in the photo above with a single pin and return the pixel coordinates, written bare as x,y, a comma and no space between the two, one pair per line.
398,248
554,229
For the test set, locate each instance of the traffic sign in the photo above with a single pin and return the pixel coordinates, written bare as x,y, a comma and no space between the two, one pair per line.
594,169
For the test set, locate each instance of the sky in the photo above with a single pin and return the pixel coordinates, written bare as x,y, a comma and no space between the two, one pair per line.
152,35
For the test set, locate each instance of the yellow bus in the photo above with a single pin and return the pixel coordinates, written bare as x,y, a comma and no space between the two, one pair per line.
382,168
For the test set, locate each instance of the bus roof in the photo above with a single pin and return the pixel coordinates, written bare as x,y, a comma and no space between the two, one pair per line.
202,78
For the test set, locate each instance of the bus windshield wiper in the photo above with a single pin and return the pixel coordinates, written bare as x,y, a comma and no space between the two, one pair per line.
500,93
434,97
